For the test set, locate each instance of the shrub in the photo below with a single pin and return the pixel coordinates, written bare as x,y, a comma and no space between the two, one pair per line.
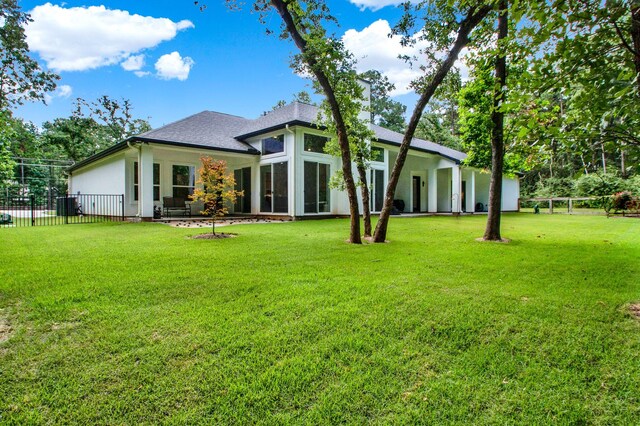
554,187
621,200
599,185
633,185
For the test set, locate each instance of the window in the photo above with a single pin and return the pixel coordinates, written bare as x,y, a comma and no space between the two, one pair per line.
274,188
315,143
316,187
156,181
377,190
377,154
183,179
273,145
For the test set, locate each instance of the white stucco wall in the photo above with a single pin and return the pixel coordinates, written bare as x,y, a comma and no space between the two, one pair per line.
510,193
444,190
103,177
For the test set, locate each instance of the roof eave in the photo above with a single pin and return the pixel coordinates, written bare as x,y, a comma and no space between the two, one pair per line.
281,126
123,144
428,151
100,155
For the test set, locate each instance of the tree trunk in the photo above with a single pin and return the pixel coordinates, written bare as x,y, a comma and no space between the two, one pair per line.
471,20
343,141
492,231
364,190
604,159
635,37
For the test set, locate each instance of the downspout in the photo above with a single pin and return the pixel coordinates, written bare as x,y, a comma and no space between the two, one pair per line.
293,167
137,147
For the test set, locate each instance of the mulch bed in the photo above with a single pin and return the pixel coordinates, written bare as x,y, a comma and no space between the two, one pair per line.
210,236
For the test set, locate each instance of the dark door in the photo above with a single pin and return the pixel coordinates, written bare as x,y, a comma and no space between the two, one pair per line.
243,183
463,197
416,193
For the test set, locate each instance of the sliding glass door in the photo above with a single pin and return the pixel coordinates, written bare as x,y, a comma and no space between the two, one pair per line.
316,188
274,188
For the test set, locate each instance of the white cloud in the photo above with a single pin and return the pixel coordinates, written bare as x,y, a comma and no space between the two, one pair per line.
62,91
133,63
375,5
173,65
83,38
141,73
375,50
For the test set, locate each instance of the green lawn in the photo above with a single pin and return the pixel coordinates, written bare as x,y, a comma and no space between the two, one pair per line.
137,323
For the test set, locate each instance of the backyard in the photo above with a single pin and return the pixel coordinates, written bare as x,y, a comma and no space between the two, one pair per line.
138,323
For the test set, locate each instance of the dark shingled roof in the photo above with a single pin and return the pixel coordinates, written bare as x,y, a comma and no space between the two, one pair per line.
224,132
304,114
291,114
209,129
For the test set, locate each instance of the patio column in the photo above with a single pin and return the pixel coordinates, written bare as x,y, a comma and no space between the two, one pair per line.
471,192
456,190
433,190
146,181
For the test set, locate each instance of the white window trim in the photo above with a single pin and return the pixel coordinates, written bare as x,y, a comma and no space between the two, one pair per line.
275,154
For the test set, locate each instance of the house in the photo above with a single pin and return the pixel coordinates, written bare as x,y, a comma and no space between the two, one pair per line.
279,163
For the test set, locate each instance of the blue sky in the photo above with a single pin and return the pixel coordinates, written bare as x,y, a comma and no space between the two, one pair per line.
191,61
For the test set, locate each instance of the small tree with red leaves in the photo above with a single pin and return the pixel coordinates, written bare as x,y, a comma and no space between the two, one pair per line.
218,189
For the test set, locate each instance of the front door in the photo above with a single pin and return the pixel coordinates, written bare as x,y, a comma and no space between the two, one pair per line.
416,194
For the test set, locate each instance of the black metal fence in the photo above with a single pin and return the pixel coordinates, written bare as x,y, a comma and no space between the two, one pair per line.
31,210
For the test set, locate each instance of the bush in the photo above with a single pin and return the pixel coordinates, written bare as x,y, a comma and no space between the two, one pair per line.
599,185
633,185
554,187
625,200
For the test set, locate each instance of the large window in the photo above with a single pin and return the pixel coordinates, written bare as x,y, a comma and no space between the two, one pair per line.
273,145
274,188
377,190
183,179
156,181
316,188
315,143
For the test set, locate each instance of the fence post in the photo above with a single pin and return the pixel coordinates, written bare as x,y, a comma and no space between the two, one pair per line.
122,204
32,198
66,208
550,205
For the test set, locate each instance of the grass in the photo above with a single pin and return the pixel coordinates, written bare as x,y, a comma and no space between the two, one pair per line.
138,323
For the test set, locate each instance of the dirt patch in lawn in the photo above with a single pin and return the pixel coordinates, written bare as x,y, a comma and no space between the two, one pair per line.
5,330
634,310
213,236
502,241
